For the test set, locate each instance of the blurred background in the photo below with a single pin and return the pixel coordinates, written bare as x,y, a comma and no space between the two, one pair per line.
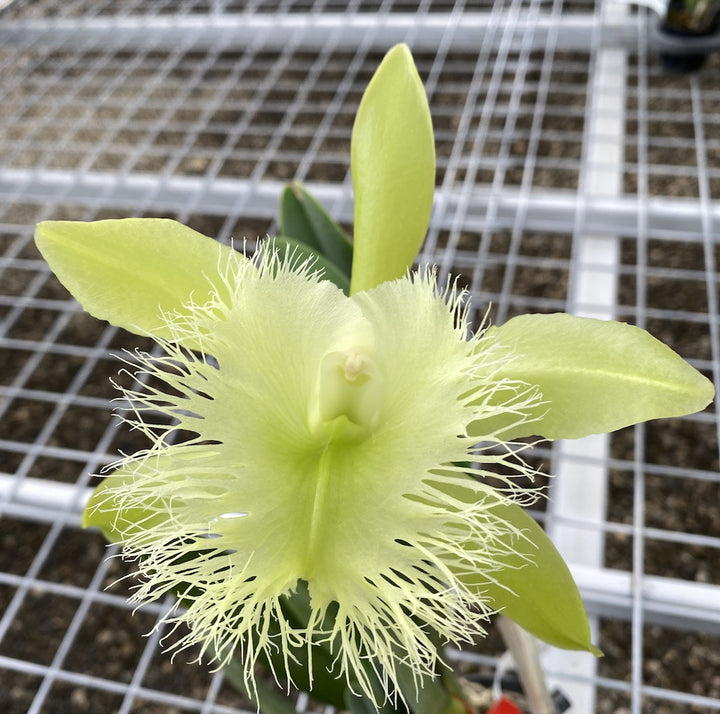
578,171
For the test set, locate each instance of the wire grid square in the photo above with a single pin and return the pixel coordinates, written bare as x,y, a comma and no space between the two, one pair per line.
205,134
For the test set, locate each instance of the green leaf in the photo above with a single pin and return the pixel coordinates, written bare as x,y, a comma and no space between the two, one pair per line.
360,704
305,220
536,589
328,270
437,695
431,697
393,169
268,700
595,376
327,686
129,271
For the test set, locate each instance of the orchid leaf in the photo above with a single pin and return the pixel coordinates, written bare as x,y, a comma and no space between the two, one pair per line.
536,588
305,220
130,271
316,674
328,270
393,171
430,697
361,704
267,698
532,585
594,376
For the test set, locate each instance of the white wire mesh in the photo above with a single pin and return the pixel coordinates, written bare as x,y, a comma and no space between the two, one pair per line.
545,150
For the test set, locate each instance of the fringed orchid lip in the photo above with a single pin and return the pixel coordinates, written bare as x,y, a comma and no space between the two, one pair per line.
327,430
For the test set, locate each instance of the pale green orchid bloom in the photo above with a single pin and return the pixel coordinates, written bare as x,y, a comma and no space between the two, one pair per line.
340,445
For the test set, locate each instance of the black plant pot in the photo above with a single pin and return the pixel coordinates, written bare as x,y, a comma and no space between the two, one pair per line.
689,26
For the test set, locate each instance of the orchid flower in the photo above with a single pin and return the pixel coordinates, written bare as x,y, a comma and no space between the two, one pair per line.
339,451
